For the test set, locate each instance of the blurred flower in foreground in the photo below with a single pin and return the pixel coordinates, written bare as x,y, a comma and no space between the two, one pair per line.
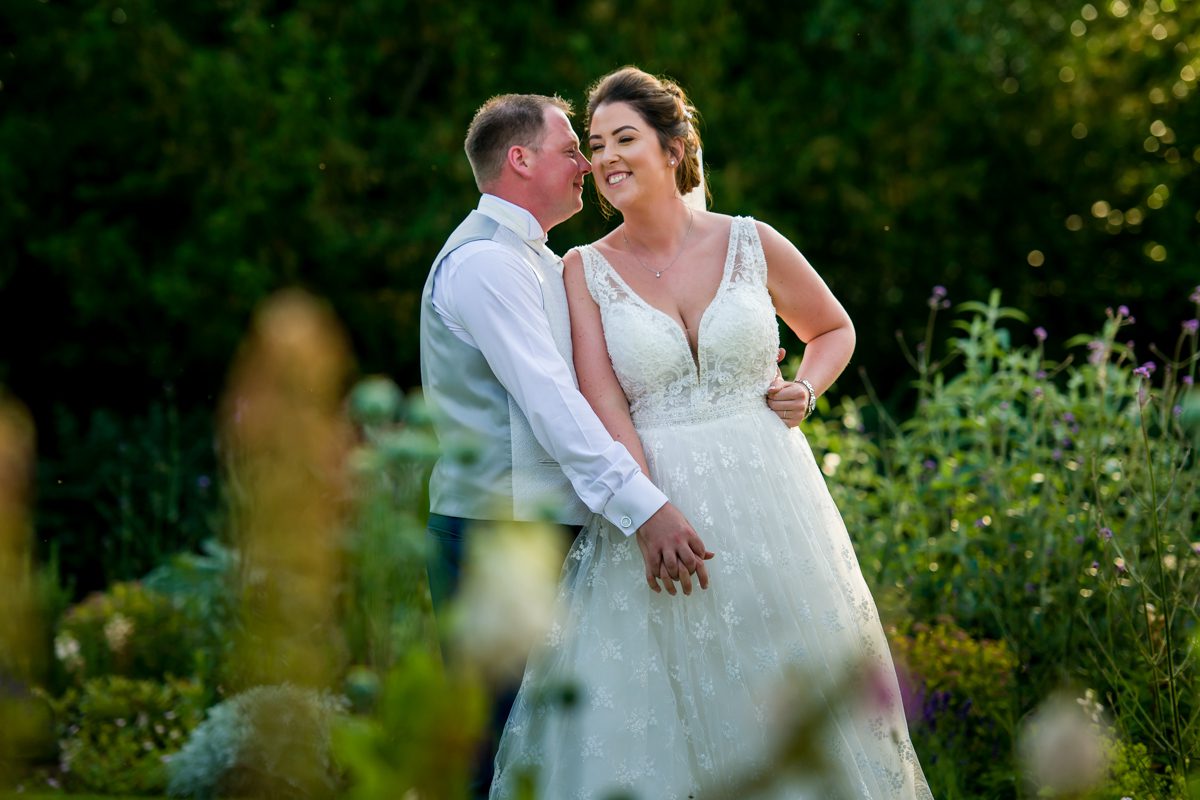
507,601
1064,746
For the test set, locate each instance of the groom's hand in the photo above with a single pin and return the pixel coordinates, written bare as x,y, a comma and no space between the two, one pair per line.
672,551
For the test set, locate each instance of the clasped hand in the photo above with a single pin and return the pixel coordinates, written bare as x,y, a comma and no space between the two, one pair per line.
672,551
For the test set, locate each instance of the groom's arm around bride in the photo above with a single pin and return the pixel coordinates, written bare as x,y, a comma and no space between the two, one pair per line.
496,360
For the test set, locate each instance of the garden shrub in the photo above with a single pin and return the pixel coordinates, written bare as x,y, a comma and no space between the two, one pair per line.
131,631
959,704
1048,505
271,741
115,732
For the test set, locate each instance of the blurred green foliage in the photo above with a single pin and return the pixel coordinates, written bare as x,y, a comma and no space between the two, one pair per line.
960,706
134,632
164,166
114,733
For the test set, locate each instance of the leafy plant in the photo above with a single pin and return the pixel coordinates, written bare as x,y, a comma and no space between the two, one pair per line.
114,732
1042,504
131,631
267,741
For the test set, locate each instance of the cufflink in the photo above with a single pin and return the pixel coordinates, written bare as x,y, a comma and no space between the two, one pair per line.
626,522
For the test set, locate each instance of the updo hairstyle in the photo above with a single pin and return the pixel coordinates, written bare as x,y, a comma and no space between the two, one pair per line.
664,106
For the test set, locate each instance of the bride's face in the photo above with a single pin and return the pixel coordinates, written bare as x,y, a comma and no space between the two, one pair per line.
628,160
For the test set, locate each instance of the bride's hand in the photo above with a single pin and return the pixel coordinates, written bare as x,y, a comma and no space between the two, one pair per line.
788,400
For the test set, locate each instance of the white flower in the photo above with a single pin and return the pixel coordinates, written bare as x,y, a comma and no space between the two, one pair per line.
1064,746
66,650
506,601
117,632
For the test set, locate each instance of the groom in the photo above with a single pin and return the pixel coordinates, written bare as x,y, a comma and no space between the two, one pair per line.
517,437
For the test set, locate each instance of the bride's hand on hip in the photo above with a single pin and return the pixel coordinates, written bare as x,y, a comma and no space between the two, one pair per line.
672,551
788,400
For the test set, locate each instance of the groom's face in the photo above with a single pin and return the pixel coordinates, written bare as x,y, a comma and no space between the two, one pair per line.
558,169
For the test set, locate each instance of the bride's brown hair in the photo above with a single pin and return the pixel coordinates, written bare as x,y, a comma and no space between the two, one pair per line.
665,107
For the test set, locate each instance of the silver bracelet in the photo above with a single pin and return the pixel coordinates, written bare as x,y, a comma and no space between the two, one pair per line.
812,397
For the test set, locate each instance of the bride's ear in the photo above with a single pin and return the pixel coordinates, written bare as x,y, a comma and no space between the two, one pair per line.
675,152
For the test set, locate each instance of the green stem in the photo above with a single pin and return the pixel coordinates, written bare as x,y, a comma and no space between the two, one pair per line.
1162,584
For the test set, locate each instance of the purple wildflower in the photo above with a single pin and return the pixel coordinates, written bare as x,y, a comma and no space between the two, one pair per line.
1079,540
1095,565
1195,295
1145,370
979,523
1106,534
1039,333
1177,411
1097,354
1188,380
1056,454
1122,311
1191,325
1068,417
930,464
1037,391
938,298
1040,375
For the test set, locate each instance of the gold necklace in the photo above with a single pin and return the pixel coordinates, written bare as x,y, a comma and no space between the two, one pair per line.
658,272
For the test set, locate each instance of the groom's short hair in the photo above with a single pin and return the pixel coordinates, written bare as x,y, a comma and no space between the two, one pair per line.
502,122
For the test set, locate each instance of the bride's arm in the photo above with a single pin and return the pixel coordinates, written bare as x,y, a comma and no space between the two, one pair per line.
597,381
808,307
667,539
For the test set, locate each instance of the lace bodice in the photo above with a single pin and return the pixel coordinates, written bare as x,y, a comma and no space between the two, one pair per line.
737,342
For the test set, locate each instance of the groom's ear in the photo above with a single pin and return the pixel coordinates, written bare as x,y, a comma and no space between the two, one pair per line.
520,159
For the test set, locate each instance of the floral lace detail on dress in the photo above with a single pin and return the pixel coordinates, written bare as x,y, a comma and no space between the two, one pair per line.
737,342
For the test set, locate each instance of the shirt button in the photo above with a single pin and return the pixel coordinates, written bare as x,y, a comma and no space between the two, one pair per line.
626,522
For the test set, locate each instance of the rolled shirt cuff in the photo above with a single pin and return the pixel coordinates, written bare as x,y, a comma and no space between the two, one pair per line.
633,504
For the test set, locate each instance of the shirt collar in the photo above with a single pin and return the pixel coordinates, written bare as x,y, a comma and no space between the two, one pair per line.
513,217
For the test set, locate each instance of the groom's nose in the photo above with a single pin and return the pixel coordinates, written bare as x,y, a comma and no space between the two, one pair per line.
585,165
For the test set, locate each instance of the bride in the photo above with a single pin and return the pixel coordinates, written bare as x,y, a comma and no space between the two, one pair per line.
673,318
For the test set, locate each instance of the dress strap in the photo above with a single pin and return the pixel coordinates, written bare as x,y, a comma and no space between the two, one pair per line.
602,282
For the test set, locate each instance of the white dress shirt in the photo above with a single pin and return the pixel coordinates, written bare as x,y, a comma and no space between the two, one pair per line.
491,300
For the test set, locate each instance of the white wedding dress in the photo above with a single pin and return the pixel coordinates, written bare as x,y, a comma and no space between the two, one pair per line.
682,697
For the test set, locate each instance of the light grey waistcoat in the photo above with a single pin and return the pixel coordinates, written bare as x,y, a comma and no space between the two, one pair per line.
491,465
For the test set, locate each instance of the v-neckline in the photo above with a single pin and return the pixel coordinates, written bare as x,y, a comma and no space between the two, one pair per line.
687,344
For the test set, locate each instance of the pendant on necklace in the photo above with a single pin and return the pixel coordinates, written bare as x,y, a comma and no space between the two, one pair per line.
658,274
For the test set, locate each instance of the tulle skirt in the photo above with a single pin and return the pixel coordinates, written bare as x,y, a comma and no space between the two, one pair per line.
775,682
